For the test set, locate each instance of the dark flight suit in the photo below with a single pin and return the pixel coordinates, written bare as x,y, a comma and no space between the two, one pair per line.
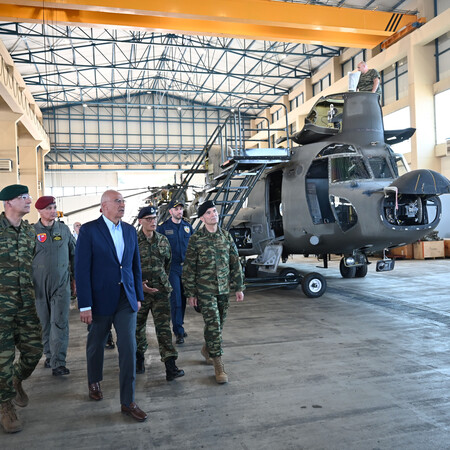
19,323
52,268
178,236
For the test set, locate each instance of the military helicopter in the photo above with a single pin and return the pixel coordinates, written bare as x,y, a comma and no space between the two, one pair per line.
341,191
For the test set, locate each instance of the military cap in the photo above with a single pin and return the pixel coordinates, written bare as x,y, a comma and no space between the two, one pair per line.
43,202
13,191
147,211
204,207
174,204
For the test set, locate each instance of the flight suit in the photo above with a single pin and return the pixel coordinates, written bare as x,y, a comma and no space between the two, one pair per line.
52,269
19,323
211,268
178,236
155,265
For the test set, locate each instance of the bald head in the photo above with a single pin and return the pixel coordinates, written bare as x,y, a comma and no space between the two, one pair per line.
113,205
363,67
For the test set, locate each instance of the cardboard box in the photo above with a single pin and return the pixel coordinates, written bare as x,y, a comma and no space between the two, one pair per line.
404,252
429,249
447,248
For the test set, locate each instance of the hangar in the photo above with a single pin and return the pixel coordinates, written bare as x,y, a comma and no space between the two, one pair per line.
98,95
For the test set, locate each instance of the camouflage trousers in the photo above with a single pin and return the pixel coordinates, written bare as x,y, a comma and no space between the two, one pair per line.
19,327
214,311
159,305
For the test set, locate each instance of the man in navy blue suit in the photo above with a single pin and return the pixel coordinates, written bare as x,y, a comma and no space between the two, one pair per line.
109,289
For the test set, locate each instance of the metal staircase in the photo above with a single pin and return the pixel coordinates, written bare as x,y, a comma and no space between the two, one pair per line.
243,155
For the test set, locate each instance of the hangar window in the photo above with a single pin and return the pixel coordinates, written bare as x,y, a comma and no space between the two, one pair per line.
380,167
348,168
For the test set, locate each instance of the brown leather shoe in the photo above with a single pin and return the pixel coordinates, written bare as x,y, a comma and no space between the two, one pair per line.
134,411
95,392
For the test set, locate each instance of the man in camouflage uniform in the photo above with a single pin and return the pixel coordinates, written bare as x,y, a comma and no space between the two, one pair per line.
19,323
154,250
211,268
369,80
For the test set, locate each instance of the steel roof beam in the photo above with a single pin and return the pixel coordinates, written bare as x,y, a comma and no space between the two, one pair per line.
254,19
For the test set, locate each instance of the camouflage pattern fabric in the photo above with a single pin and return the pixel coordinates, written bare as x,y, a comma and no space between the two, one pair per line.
212,266
366,81
211,269
155,256
19,324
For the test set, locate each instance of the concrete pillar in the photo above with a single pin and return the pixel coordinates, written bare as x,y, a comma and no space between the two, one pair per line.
336,70
421,77
8,144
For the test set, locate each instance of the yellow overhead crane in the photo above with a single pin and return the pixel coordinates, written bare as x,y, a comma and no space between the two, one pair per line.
248,19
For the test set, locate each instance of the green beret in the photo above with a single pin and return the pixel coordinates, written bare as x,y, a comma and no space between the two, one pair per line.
13,191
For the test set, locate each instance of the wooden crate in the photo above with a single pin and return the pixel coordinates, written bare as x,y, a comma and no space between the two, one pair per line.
447,248
429,249
403,252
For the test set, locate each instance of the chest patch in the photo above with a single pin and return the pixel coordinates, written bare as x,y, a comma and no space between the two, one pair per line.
169,232
187,230
57,238
42,237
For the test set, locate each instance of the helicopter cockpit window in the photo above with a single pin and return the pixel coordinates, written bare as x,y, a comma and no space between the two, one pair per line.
334,149
380,167
348,168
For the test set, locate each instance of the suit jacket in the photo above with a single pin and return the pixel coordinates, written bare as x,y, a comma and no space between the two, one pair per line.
98,271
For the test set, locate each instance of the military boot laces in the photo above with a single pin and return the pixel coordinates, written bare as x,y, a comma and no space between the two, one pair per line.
172,371
10,422
221,376
205,355
21,396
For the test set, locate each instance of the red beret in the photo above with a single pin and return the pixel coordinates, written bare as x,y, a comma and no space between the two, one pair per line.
44,201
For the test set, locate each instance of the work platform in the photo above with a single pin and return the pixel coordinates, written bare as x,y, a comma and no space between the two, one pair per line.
364,366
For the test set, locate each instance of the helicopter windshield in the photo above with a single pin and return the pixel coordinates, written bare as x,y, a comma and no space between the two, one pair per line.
348,168
380,167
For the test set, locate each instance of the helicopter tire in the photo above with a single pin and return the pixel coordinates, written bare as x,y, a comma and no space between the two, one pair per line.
314,285
251,270
361,271
288,274
347,272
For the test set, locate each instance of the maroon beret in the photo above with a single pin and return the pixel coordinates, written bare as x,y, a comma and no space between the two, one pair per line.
44,201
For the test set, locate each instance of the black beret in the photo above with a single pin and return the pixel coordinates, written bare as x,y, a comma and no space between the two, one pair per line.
44,201
174,204
204,207
147,211
13,191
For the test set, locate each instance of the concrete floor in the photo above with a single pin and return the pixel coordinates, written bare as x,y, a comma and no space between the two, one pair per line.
366,366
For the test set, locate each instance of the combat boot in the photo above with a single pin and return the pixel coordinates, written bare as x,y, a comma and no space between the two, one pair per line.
21,396
172,371
205,355
221,375
10,422
140,362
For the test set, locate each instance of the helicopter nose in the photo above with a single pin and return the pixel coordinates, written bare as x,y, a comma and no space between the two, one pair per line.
422,182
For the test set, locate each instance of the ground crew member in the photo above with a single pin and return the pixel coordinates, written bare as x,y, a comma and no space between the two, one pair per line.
211,268
19,323
178,231
369,80
154,249
52,270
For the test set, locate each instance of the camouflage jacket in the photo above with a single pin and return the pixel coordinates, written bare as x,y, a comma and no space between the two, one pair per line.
155,260
16,254
212,266
366,81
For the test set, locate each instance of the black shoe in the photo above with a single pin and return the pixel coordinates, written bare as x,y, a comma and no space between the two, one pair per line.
47,363
110,344
180,339
172,371
185,334
61,370
140,363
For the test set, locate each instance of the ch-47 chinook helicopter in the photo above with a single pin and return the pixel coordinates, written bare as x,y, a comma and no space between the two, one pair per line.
341,191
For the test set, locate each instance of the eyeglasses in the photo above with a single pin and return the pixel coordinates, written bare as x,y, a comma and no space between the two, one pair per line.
149,219
25,197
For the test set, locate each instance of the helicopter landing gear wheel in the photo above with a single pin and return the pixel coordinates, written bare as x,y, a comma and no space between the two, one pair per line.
289,274
361,271
314,285
347,272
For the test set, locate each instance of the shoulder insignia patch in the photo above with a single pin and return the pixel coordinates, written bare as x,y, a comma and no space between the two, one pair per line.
187,229
42,237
